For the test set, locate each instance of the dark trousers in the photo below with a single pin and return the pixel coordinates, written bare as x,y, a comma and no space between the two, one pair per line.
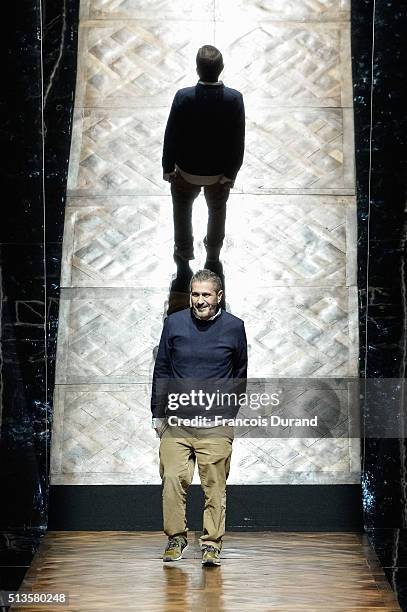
183,196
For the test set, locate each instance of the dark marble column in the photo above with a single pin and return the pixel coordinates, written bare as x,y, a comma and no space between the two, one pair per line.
380,102
38,98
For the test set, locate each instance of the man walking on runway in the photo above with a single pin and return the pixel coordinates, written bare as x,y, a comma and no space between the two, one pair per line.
203,147
203,343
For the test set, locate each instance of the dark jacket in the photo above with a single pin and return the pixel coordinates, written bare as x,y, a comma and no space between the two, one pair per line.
199,350
205,131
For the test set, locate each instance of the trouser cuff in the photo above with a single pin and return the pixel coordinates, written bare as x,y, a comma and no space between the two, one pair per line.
183,255
212,252
217,544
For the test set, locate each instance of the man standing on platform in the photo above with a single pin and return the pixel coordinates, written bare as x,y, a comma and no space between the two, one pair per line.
203,343
203,147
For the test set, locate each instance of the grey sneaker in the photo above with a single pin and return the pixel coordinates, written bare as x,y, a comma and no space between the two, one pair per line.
210,555
174,548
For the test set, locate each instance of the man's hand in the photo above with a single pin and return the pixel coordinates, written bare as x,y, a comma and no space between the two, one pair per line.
159,425
168,176
226,180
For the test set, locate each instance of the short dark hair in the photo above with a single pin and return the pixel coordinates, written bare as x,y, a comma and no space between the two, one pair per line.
206,275
209,62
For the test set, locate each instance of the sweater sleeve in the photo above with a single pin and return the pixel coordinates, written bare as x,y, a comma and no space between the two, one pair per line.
171,137
162,372
235,160
240,367
240,356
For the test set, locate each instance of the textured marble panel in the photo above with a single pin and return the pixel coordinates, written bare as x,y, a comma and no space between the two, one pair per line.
144,9
271,240
118,152
287,64
108,335
102,435
301,150
132,63
106,435
295,461
283,240
299,331
136,63
108,241
273,10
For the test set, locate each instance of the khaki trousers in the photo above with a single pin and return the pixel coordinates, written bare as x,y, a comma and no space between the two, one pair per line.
180,447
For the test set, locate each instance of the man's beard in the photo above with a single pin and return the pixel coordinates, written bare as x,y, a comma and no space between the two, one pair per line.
210,311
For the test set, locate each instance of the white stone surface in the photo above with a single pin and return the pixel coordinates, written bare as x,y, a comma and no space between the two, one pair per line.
137,63
275,10
270,241
117,151
109,335
103,435
292,64
290,250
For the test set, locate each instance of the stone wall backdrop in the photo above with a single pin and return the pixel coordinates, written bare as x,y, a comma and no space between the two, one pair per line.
291,234
299,116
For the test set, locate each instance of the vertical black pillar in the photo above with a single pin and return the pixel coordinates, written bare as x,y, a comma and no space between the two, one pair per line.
37,99
379,74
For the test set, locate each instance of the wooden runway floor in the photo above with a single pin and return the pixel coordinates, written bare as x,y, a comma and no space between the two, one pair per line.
260,571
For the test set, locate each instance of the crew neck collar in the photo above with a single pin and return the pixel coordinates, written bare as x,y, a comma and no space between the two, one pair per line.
210,82
215,316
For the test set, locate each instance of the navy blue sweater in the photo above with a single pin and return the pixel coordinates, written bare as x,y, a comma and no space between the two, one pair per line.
205,131
200,350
